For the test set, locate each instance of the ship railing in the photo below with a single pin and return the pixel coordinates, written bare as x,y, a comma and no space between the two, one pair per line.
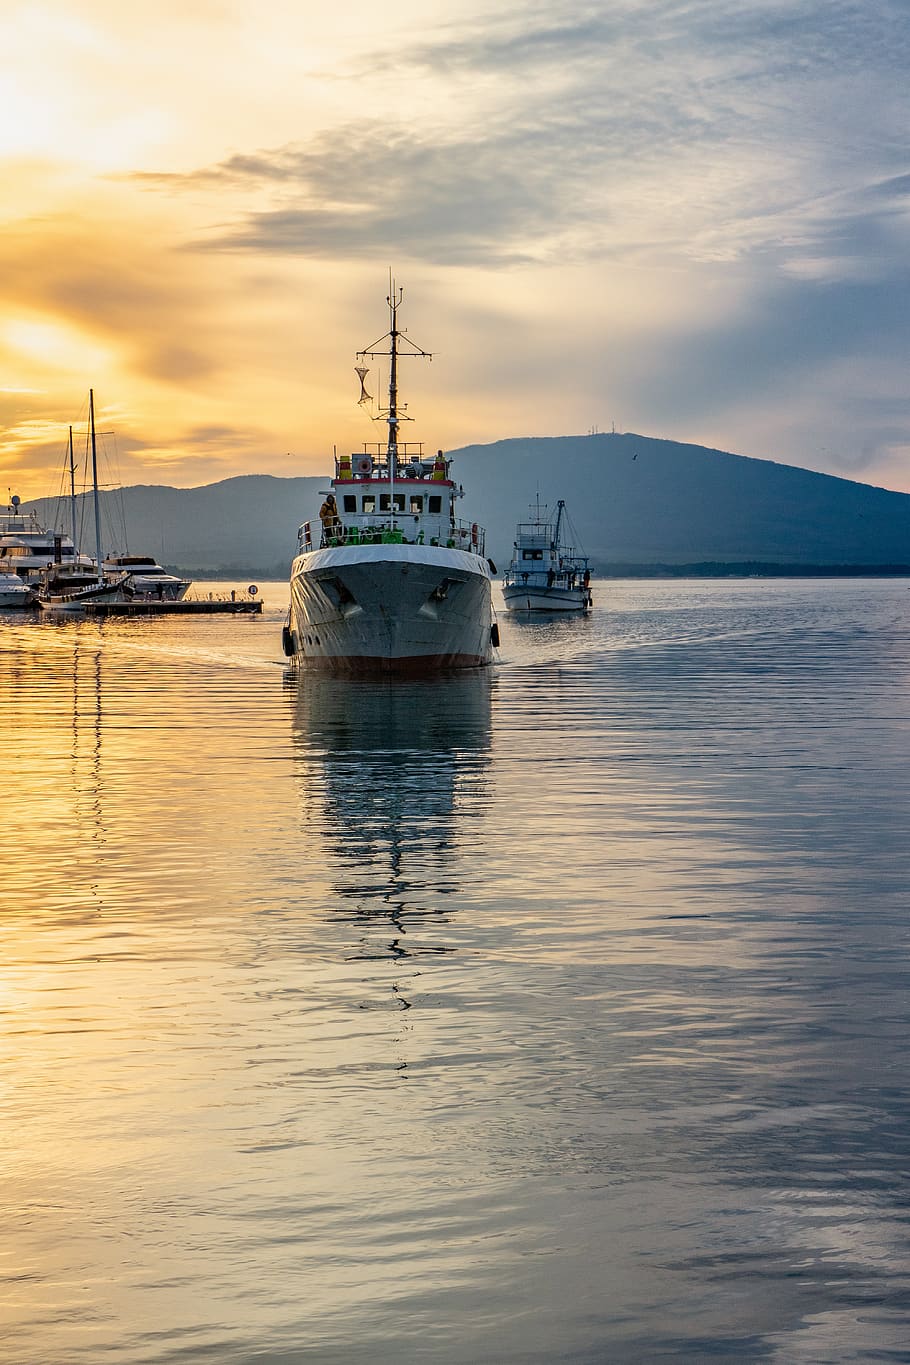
409,464
464,535
569,576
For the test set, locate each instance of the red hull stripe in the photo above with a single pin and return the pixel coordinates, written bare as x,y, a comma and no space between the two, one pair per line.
410,667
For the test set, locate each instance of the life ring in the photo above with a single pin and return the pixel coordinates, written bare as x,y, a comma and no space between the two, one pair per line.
364,464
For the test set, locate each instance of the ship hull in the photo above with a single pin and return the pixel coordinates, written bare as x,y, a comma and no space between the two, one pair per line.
15,601
397,609
152,589
519,597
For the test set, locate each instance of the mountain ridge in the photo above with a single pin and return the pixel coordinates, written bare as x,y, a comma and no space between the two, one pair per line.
636,501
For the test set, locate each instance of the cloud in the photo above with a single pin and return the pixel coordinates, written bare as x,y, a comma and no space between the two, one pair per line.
690,212
706,131
111,282
94,298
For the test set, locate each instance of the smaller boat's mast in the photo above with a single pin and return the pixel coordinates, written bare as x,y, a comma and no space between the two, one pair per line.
560,506
72,492
91,419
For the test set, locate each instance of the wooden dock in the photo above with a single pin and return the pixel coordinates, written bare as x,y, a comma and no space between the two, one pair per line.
190,606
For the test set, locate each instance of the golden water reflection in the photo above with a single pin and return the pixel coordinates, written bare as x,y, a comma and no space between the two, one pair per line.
558,1010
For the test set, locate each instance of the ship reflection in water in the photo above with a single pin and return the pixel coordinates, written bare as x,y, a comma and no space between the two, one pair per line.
393,779
554,1012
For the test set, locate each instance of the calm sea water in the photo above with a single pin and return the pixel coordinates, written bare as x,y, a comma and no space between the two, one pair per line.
558,1013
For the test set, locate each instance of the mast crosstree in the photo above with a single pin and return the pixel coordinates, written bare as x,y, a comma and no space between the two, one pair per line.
393,414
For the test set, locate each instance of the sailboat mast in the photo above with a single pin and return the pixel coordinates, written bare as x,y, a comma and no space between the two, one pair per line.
72,492
91,419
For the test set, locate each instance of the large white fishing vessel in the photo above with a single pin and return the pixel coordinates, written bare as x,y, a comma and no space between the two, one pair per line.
546,573
390,580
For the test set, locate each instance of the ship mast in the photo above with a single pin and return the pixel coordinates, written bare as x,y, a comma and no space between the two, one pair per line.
560,506
396,339
393,302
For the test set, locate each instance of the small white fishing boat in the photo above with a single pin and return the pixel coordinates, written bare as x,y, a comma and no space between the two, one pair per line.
390,580
546,573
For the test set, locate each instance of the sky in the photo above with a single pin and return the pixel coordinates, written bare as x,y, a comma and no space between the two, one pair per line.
684,218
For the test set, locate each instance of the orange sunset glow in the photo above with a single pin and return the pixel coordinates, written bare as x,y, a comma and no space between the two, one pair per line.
595,223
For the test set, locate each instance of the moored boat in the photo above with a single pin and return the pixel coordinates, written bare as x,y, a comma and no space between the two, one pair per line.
72,600
69,593
35,554
390,580
545,573
14,593
145,578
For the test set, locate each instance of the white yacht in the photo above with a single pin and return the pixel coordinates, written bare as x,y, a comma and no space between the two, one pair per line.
390,580
145,578
33,553
14,593
545,573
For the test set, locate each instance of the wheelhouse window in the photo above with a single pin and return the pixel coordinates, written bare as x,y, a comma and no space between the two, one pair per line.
398,499
369,502
416,503
532,554
435,505
385,502
350,502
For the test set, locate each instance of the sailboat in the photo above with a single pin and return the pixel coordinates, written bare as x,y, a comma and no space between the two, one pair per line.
390,580
70,593
546,573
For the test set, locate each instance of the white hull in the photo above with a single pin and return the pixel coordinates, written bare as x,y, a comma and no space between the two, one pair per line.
15,601
391,609
14,594
518,597
153,589
144,578
75,602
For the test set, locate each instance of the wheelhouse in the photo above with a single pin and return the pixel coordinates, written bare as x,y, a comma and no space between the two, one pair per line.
408,499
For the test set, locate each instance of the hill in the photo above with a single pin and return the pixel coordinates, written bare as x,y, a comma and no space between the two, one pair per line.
636,502
243,525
